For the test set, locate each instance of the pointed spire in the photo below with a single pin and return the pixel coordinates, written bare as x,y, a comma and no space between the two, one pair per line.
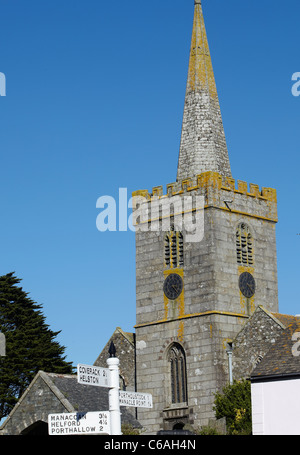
203,145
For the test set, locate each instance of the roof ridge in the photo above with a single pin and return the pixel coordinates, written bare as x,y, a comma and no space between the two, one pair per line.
125,334
47,378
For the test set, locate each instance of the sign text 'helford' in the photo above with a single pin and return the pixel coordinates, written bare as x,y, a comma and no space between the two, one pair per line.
79,423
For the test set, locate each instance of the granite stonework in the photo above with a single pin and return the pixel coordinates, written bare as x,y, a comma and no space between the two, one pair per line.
125,351
211,309
30,415
258,335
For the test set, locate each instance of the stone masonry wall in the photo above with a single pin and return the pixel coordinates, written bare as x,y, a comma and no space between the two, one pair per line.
252,343
211,310
125,351
35,407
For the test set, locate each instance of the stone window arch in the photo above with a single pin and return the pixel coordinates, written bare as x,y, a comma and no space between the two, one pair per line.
177,371
244,245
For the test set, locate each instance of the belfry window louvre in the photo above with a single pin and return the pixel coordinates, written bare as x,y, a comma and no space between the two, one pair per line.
167,251
180,249
244,245
173,250
176,358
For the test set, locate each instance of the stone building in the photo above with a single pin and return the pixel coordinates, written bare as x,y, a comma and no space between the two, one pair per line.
200,294
51,393
275,383
259,334
125,347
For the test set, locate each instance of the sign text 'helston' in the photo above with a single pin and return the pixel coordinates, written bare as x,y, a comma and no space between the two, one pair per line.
92,375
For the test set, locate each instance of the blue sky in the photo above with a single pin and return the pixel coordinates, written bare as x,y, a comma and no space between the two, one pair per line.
94,103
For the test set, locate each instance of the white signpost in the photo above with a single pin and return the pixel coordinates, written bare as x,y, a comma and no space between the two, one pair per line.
77,423
135,399
100,422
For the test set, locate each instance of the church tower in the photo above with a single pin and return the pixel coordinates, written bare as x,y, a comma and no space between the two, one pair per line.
195,292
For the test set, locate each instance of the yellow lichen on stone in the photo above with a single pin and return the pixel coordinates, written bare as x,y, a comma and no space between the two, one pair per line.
200,72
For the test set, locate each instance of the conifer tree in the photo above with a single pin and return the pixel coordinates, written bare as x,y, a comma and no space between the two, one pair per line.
30,344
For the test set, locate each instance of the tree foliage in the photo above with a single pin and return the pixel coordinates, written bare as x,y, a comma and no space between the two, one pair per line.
30,344
235,404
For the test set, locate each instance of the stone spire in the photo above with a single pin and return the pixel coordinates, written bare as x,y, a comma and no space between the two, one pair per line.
203,145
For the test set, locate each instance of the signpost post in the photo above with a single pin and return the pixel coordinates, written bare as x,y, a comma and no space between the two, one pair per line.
114,401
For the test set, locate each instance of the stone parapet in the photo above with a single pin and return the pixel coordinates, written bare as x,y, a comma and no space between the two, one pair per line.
222,192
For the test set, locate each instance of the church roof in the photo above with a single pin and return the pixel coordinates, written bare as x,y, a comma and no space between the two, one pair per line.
285,319
128,335
203,145
120,339
83,398
282,360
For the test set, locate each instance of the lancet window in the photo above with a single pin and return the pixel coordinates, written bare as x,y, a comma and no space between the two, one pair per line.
244,245
173,249
176,359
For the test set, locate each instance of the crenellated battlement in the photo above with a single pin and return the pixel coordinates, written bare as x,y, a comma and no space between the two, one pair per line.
211,180
222,192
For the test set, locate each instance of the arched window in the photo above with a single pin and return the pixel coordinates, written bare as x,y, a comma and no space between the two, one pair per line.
176,358
173,249
244,245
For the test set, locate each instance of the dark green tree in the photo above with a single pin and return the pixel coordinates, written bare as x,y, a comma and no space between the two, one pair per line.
234,403
30,344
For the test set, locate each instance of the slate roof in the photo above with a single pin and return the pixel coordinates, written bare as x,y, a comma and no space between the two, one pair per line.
285,319
283,358
81,397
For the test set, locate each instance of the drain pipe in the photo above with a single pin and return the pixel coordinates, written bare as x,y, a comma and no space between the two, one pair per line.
229,353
